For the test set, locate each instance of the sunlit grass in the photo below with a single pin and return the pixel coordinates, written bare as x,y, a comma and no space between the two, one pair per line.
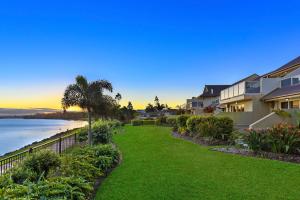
157,166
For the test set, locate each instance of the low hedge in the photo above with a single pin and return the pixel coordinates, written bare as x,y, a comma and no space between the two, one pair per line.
214,127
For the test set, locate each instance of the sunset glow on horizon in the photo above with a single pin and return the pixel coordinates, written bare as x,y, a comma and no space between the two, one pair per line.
140,48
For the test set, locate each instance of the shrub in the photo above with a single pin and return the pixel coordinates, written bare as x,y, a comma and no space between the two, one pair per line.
102,132
192,123
279,139
42,162
208,127
208,109
181,123
74,167
284,139
171,121
20,174
282,113
136,122
237,138
257,140
73,179
82,134
225,128
149,122
217,128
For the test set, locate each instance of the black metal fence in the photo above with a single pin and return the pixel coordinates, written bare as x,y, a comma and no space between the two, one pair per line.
58,145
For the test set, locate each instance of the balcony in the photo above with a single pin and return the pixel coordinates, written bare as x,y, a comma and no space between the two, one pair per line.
243,88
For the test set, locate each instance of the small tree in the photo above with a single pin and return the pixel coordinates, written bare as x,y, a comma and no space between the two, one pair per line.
86,95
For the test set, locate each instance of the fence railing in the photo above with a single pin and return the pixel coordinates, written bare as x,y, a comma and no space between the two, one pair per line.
58,145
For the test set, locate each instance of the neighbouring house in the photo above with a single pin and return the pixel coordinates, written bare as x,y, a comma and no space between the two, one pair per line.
210,97
251,101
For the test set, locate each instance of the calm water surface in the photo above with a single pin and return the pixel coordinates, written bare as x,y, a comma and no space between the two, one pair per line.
16,133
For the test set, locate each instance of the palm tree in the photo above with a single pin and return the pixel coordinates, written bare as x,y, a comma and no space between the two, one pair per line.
118,97
86,95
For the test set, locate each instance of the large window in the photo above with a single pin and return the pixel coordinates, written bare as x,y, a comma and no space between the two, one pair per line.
284,105
286,82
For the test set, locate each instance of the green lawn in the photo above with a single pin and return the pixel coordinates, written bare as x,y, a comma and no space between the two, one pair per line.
157,166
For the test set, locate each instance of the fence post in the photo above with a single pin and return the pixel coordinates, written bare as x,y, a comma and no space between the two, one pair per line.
59,146
75,138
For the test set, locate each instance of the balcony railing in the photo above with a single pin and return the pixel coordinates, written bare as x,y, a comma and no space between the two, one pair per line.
245,87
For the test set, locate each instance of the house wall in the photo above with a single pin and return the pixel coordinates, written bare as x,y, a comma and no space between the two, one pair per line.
293,73
207,101
255,109
269,121
267,85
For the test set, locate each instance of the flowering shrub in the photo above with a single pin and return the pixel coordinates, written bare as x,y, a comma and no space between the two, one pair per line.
282,138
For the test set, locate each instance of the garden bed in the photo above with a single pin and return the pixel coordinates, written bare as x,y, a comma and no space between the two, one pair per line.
201,140
261,154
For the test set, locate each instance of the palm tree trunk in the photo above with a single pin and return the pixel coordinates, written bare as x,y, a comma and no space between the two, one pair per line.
90,129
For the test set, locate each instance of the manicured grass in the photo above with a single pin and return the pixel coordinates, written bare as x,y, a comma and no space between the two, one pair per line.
157,166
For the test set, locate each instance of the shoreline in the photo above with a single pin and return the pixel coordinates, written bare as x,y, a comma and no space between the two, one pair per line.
36,143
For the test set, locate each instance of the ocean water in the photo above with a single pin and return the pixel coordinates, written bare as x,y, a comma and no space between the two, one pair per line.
16,133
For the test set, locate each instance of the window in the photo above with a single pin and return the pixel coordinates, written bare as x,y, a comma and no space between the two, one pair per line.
194,104
284,105
295,80
286,82
252,87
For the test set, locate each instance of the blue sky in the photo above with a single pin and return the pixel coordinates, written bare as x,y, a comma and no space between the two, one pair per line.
164,48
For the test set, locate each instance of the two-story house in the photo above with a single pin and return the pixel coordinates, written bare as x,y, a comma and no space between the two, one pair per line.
210,97
254,97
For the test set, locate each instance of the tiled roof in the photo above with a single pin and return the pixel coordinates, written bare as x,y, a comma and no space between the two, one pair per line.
213,90
290,64
282,92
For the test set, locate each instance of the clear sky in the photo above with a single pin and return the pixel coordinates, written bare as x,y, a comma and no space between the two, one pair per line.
145,48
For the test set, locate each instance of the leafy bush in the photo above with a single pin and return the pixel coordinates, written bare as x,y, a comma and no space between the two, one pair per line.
257,140
42,162
282,113
102,132
225,128
284,139
82,134
171,121
279,139
181,123
136,122
72,167
54,188
73,179
208,127
208,109
21,174
217,128
192,123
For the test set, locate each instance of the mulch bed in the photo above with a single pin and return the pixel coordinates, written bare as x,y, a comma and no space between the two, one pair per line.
239,151
262,154
201,140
